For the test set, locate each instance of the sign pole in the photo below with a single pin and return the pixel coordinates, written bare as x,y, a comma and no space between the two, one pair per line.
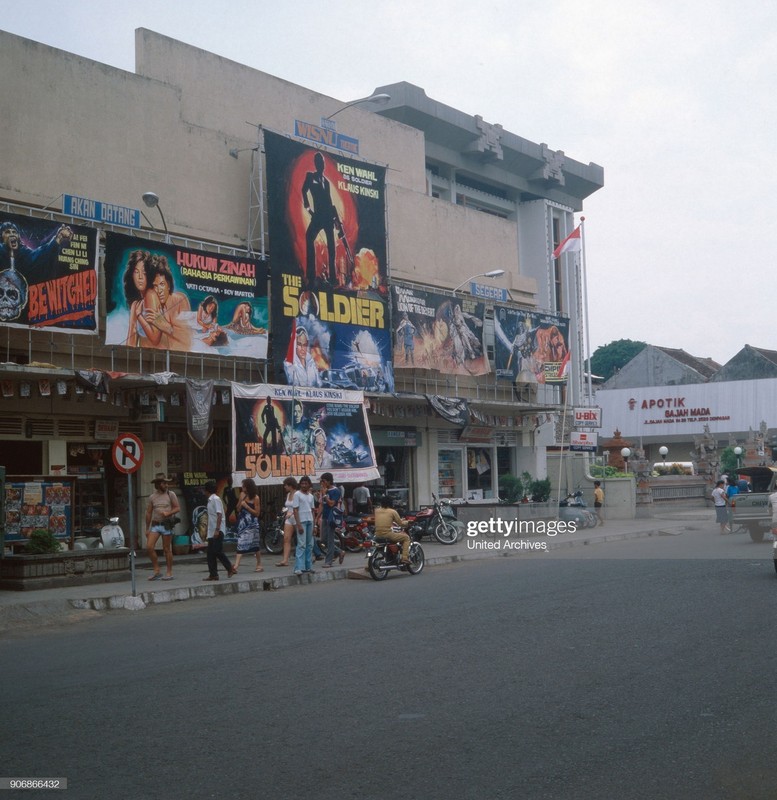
127,457
131,501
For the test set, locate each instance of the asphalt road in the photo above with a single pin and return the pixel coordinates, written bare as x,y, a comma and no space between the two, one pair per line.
539,677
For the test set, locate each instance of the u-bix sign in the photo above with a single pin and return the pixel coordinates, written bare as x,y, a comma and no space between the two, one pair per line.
589,417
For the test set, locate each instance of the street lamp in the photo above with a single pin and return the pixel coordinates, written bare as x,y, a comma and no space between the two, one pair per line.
663,451
494,273
381,98
738,453
151,199
625,455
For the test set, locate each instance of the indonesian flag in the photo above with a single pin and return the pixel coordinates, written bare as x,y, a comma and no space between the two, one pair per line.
571,244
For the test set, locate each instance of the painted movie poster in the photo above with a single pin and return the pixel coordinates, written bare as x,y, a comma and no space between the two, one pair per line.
438,332
282,431
48,275
327,227
530,346
164,297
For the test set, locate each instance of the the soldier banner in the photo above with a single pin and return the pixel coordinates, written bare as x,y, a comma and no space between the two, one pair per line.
48,275
327,226
439,332
283,431
165,297
531,347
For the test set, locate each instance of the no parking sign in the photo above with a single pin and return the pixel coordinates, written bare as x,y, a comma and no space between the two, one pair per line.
127,453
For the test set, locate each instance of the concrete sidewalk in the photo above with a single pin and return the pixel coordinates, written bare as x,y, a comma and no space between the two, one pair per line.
47,606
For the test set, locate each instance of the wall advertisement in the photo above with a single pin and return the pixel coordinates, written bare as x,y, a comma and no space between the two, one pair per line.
282,431
530,347
48,275
164,297
438,332
327,226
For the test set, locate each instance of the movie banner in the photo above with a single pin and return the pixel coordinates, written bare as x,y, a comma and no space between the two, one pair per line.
439,332
531,347
48,275
282,431
327,227
164,297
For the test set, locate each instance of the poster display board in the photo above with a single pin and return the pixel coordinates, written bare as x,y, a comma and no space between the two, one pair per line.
38,504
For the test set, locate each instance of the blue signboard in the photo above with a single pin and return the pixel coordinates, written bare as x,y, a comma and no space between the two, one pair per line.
327,136
486,292
108,213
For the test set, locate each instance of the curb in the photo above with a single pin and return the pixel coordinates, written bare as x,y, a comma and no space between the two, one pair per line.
45,611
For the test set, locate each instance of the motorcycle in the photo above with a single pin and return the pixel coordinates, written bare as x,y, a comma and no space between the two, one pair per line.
438,520
111,535
384,556
573,509
272,536
355,532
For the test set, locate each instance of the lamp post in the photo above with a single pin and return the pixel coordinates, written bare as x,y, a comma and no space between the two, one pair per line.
380,97
663,451
738,453
151,199
625,455
493,273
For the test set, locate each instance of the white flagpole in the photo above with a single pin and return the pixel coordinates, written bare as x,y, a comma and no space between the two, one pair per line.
585,311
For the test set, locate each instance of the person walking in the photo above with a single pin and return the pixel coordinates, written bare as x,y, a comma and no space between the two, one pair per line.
328,508
216,527
289,524
362,502
599,501
303,505
249,531
161,511
721,501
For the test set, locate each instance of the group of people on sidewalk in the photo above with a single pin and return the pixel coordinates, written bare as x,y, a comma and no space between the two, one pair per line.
305,513
162,512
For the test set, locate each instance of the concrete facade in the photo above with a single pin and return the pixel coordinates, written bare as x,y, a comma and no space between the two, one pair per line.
463,196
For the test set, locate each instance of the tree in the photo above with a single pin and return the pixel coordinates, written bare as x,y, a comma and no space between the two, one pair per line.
609,358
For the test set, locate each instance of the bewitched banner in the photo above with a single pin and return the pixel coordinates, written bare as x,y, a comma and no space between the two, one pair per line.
531,347
438,332
283,431
48,275
327,227
165,297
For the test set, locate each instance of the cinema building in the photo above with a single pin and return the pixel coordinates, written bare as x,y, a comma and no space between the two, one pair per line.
422,292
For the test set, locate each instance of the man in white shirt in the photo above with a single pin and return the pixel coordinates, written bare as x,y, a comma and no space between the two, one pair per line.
216,526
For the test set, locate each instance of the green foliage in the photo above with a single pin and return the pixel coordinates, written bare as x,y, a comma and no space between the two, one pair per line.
42,542
540,490
510,488
602,473
609,358
728,460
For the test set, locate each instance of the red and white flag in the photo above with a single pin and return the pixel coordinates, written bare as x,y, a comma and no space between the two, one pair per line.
571,244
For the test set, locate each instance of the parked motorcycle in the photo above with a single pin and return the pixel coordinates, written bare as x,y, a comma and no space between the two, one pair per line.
573,509
438,520
385,556
111,535
355,532
272,536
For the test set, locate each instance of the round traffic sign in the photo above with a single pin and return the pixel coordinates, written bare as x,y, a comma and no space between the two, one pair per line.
127,453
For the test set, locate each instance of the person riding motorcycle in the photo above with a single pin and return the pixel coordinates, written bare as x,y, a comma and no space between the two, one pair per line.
385,517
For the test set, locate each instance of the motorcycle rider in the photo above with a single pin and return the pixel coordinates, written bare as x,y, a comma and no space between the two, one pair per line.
385,517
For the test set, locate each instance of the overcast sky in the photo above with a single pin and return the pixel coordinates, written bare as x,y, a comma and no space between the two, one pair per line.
674,100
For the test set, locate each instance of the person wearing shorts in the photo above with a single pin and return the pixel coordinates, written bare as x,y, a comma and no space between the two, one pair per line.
161,510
